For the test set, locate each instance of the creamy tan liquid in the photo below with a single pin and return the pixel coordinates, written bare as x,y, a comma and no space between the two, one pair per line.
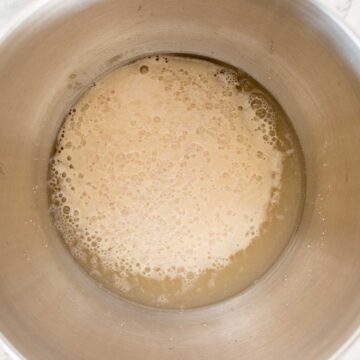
176,182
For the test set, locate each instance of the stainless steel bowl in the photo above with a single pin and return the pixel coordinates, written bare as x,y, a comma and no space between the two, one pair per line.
307,306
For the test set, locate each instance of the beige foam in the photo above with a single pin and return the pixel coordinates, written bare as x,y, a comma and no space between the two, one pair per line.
165,169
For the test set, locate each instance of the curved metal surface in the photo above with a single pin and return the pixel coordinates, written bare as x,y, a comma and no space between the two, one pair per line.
308,306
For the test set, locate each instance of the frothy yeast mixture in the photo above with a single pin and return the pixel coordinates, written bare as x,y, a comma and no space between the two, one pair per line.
166,173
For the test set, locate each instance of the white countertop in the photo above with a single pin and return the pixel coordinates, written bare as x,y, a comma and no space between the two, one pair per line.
347,10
